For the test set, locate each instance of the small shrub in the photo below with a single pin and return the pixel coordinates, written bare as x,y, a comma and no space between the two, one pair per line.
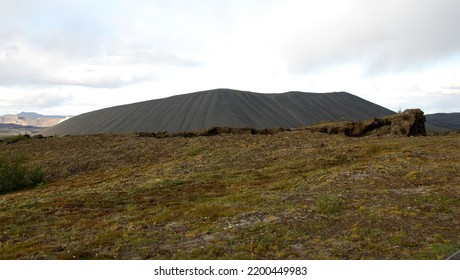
158,135
17,138
15,176
399,238
442,250
174,182
195,150
329,204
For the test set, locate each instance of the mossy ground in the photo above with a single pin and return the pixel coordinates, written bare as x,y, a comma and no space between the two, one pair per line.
291,195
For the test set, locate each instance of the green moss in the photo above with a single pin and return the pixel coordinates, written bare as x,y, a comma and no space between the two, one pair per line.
442,250
329,203
194,150
174,182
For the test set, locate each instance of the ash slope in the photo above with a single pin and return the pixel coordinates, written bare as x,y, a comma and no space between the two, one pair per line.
221,107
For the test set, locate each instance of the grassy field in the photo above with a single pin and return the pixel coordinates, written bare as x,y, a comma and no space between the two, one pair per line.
291,195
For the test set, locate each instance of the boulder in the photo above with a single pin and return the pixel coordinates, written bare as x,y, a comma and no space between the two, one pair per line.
411,122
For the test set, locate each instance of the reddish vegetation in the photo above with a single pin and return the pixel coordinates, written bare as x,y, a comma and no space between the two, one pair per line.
289,195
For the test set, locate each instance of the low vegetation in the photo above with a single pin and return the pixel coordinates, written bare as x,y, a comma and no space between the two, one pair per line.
15,176
289,195
19,137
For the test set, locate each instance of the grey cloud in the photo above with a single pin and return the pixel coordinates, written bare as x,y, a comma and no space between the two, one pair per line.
29,75
380,36
21,70
126,67
97,81
47,100
15,72
70,28
437,102
39,39
150,56
39,100
453,88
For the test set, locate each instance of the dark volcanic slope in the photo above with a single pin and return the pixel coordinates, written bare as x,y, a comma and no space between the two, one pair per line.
445,120
222,107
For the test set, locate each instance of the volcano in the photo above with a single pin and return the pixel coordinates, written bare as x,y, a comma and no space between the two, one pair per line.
222,107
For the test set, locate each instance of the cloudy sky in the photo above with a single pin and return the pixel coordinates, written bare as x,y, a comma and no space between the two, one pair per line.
73,56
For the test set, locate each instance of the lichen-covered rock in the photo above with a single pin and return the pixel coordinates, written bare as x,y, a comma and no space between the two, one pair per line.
411,122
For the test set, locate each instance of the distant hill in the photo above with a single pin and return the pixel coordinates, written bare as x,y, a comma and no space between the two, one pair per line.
444,120
33,115
16,126
27,122
8,129
222,107
31,119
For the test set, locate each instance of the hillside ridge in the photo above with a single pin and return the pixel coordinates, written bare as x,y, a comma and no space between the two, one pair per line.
445,120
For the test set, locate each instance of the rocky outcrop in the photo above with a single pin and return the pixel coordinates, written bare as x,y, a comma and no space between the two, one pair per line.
408,123
411,122
212,132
